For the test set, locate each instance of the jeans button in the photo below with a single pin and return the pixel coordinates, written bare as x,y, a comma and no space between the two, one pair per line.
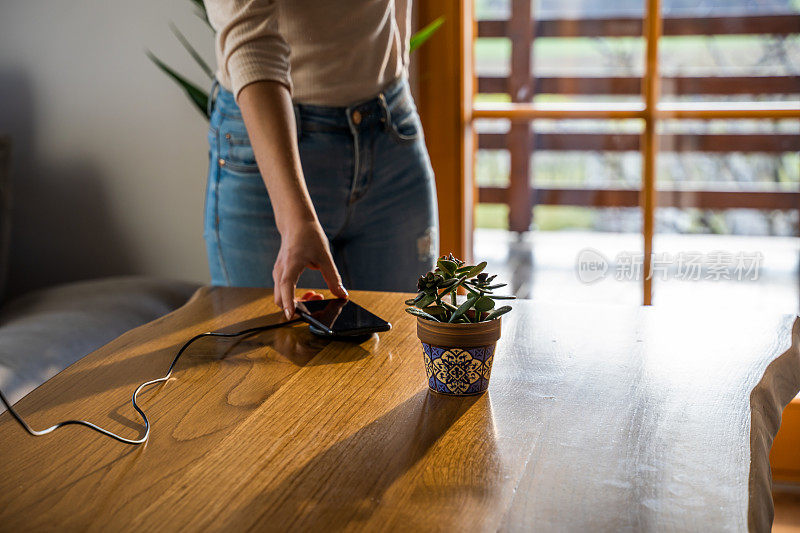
356,117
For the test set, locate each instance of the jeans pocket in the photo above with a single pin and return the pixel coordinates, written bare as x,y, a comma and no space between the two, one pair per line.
405,123
236,152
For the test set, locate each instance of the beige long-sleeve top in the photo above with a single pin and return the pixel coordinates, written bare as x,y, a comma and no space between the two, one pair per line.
328,52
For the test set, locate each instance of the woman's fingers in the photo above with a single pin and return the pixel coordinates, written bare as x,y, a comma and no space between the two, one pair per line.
276,283
331,275
287,286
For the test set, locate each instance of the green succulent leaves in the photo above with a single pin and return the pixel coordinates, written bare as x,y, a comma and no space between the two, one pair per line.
463,308
447,266
497,312
450,274
484,303
421,313
477,269
426,300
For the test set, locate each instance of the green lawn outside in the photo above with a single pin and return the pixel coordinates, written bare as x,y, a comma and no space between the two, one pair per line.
546,217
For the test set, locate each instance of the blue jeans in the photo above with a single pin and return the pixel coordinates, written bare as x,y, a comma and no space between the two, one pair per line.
370,179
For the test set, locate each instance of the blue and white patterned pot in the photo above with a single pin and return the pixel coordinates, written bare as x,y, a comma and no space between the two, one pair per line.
458,371
458,357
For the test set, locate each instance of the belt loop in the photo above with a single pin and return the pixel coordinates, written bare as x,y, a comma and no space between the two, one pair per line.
212,97
387,115
298,121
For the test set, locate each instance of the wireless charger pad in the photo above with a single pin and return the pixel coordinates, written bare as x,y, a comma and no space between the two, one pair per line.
347,338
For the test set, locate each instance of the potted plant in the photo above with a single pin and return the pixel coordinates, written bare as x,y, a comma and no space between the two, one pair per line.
458,340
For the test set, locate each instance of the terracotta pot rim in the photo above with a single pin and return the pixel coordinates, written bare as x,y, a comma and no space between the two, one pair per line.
486,324
458,335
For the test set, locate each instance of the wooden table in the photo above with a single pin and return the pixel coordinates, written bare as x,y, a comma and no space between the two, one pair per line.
597,418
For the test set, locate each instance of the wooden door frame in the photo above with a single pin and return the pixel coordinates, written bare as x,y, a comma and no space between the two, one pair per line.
445,95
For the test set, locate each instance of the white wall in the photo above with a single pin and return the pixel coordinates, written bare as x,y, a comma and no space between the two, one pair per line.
109,157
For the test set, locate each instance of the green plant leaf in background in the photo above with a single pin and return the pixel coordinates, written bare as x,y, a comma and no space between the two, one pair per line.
424,34
197,95
192,52
201,11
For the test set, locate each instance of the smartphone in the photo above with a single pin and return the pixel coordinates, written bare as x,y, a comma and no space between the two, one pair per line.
340,318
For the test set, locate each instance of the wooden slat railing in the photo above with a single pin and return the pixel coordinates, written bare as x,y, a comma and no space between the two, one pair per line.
703,199
521,141
777,24
622,142
694,85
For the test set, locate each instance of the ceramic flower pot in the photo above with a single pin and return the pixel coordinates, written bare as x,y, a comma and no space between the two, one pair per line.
458,357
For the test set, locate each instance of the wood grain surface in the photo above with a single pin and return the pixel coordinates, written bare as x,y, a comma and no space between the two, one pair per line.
597,418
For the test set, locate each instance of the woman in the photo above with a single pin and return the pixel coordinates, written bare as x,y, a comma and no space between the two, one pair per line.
317,157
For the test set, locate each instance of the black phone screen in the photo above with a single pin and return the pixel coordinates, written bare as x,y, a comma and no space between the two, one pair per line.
341,317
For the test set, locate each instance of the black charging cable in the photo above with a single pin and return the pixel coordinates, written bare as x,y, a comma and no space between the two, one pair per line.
142,440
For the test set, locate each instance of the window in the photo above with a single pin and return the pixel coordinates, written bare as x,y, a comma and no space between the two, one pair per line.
647,121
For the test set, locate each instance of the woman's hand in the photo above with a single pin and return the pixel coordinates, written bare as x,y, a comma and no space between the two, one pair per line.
269,117
303,246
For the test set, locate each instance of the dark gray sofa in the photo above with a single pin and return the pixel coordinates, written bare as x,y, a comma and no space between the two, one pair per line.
46,330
